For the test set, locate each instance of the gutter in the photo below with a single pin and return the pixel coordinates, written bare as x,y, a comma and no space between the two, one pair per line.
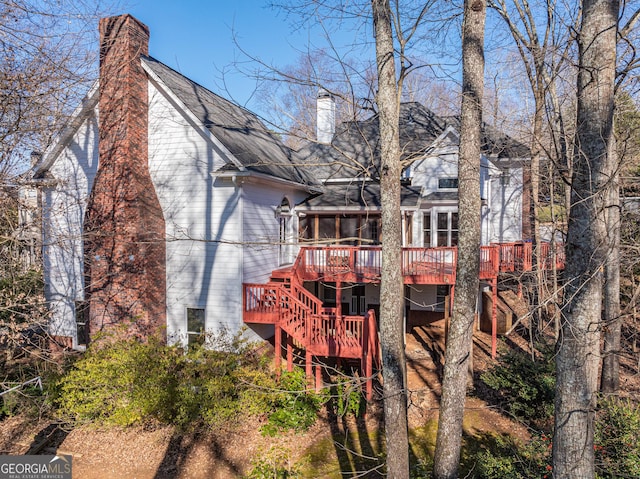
235,175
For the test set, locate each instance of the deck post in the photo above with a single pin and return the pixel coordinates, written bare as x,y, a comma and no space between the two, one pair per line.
448,308
371,330
278,349
309,367
494,318
364,359
338,299
289,353
318,378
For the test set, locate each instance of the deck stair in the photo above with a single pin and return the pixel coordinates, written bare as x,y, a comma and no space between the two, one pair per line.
298,314
515,303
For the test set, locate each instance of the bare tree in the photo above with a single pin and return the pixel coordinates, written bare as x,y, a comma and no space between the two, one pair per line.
579,350
542,41
47,62
459,339
391,284
612,328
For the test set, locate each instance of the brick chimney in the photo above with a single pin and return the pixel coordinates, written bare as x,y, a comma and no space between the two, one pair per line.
124,225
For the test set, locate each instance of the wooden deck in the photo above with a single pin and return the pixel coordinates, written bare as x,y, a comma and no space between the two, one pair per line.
362,264
300,319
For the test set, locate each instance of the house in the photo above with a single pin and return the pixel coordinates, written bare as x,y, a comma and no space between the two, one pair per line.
173,210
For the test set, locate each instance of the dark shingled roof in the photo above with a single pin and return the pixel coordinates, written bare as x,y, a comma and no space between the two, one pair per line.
355,149
358,195
495,142
442,196
239,130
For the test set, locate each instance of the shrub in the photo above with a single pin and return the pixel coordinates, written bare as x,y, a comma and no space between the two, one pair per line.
347,397
616,437
128,381
274,464
617,449
293,406
524,388
507,459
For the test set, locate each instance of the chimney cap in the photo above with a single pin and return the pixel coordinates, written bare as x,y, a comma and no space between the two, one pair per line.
323,93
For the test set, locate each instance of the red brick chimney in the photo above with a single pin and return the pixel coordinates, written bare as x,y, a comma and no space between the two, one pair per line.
124,226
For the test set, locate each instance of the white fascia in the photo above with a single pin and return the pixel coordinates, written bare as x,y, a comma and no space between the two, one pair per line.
78,116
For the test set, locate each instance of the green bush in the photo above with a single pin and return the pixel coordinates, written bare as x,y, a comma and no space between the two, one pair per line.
274,464
507,459
524,388
293,406
617,449
348,397
616,437
128,382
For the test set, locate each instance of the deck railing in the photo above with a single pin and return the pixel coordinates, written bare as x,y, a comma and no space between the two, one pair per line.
322,333
429,265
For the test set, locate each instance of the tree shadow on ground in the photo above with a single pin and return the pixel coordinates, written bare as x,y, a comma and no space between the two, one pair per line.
181,447
358,444
48,439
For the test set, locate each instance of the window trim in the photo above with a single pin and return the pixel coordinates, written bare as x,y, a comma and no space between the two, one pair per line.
444,179
430,224
198,336
82,322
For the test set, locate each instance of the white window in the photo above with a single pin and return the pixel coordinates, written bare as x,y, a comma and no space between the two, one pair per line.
426,229
447,229
82,321
195,325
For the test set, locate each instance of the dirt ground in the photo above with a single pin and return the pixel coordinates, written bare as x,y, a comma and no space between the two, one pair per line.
161,453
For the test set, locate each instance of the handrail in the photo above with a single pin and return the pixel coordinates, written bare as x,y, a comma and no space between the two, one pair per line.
37,381
433,262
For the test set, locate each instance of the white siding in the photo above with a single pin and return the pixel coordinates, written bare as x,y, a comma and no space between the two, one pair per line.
262,251
423,297
505,204
203,222
63,212
431,168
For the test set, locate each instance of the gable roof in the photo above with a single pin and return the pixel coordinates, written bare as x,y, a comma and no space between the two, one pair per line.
495,142
355,149
239,130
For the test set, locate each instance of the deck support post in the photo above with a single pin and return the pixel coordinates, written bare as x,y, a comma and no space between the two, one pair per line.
289,353
365,360
309,367
338,299
318,378
494,318
278,349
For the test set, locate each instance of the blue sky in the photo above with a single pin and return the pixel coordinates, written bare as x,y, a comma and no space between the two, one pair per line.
197,39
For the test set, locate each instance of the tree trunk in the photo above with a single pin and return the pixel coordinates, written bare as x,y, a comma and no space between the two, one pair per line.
610,379
391,287
579,348
459,340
